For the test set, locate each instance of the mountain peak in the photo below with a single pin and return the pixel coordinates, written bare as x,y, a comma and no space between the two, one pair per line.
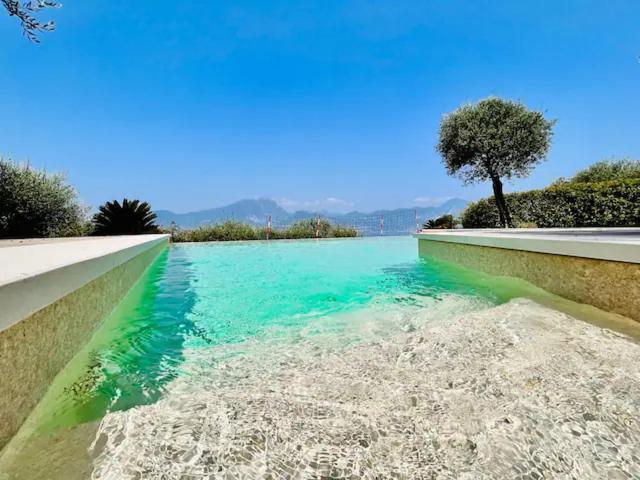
256,211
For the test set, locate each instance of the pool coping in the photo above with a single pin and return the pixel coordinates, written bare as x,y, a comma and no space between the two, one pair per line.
37,274
594,243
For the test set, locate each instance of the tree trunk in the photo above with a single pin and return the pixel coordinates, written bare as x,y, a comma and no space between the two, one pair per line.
501,203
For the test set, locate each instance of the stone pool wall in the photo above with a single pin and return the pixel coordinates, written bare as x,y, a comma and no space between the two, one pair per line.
610,285
35,349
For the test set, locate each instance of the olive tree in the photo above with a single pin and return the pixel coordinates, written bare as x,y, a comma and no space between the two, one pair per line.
26,12
492,140
37,204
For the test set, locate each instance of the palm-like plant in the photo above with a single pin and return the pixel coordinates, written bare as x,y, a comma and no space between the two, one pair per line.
132,217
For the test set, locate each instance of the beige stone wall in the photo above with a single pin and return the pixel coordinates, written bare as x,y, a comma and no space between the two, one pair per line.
34,350
611,286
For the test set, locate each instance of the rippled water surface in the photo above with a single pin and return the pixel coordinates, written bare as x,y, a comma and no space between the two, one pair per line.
335,359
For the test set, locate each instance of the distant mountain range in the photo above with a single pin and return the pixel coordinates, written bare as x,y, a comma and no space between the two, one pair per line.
256,212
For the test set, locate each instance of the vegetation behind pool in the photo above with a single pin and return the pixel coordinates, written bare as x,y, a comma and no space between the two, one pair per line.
233,230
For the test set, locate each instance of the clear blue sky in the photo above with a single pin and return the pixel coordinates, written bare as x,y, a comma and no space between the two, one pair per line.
333,104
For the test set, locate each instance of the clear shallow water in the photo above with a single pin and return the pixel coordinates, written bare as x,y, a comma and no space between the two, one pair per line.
201,295
214,327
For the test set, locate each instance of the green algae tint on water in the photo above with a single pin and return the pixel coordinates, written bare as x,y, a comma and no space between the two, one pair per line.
200,295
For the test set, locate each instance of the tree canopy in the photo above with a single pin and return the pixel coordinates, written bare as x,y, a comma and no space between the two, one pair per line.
607,170
493,137
26,12
37,204
491,140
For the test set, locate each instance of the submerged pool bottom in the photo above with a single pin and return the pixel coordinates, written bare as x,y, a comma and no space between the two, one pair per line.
517,391
339,359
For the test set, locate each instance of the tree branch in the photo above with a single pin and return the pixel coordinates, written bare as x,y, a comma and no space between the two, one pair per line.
26,14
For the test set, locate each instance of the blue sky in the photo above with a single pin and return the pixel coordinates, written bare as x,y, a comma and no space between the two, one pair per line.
327,104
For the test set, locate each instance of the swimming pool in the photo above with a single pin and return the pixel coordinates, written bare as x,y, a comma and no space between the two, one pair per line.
262,358
224,294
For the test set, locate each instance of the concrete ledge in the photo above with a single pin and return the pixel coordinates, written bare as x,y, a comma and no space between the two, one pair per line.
36,274
617,244
599,267
53,296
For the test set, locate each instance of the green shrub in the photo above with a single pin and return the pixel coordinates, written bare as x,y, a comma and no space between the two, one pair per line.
342,232
443,222
605,171
221,232
601,204
307,229
232,230
37,204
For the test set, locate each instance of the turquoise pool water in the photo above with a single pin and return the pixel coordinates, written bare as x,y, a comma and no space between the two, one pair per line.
197,296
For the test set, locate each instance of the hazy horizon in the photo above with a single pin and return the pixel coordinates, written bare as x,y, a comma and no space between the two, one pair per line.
311,208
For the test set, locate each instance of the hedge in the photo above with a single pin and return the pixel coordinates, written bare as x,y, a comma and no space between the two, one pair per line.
603,204
233,230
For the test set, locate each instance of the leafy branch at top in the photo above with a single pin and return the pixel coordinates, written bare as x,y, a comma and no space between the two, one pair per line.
26,12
